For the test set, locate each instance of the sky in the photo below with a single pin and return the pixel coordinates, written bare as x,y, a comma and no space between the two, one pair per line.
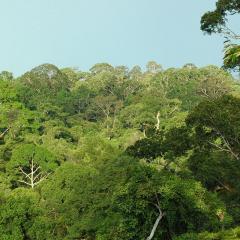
81,33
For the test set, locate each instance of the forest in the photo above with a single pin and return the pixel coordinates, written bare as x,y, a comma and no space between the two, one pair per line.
118,153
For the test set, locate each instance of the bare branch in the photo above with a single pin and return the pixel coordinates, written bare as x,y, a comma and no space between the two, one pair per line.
158,121
159,218
36,169
24,182
224,186
43,178
27,175
230,33
4,133
35,176
228,147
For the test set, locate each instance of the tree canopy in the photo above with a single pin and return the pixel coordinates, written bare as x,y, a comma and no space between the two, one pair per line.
119,153
217,22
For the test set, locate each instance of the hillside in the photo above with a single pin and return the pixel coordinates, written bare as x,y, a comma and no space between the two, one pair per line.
117,153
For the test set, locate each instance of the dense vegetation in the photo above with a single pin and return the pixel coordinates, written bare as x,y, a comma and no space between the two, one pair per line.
114,153
123,154
217,21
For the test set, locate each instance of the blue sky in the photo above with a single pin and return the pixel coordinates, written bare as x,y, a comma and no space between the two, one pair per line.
80,33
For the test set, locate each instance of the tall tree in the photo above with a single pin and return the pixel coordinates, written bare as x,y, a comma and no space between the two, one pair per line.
216,22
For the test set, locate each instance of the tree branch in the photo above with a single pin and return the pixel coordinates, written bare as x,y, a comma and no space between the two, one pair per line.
4,133
159,218
27,175
24,182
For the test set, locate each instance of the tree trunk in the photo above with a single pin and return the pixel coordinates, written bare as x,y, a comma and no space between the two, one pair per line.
159,218
158,121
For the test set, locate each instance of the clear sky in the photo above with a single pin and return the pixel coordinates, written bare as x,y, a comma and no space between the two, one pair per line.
80,33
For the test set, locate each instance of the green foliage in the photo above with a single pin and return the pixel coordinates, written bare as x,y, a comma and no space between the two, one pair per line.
233,234
216,123
232,56
6,76
216,22
19,214
23,154
103,154
8,91
118,197
35,85
29,159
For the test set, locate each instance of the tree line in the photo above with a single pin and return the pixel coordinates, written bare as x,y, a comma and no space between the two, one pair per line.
116,153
